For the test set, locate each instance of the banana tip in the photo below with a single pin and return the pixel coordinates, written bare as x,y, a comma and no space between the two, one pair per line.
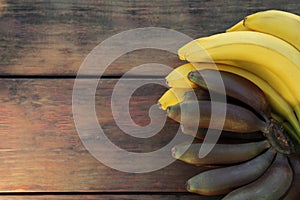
167,82
160,106
168,109
244,21
190,74
181,57
182,128
187,186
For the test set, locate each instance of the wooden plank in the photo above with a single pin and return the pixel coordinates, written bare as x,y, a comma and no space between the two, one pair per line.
54,37
40,149
111,197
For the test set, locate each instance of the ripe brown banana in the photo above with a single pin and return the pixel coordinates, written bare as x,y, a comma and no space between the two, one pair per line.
237,119
196,94
200,133
223,180
294,191
235,86
272,185
220,154
202,94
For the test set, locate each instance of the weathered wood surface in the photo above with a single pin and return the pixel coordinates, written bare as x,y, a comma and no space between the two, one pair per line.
41,150
108,197
53,37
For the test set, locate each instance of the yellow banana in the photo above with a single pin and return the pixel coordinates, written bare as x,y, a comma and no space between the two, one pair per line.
278,104
172,97
238,27
177,78
256,51
274,80
279,23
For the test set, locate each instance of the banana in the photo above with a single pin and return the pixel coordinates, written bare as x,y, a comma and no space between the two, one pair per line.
172,96
223,180
259,49
237,119
235,86
272,79
294,192
200,133
203,94
196,94
278,104
177,76
176,95
238,27
271,22
272,185
220,154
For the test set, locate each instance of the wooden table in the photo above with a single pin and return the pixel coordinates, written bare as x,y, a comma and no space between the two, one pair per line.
42,45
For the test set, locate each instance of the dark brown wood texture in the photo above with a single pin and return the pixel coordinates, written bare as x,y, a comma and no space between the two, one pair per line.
110,197
42,152
42,45
53,37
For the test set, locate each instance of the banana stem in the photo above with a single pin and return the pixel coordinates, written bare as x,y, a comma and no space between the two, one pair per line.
287,126
279,138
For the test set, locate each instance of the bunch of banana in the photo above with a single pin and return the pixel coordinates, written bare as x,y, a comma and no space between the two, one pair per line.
258,63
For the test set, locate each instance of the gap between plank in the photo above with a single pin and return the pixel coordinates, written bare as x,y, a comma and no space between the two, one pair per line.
74,77
34,193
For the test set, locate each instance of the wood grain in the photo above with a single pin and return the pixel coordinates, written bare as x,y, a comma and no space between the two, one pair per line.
111,197
41,150
54,37
41,153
